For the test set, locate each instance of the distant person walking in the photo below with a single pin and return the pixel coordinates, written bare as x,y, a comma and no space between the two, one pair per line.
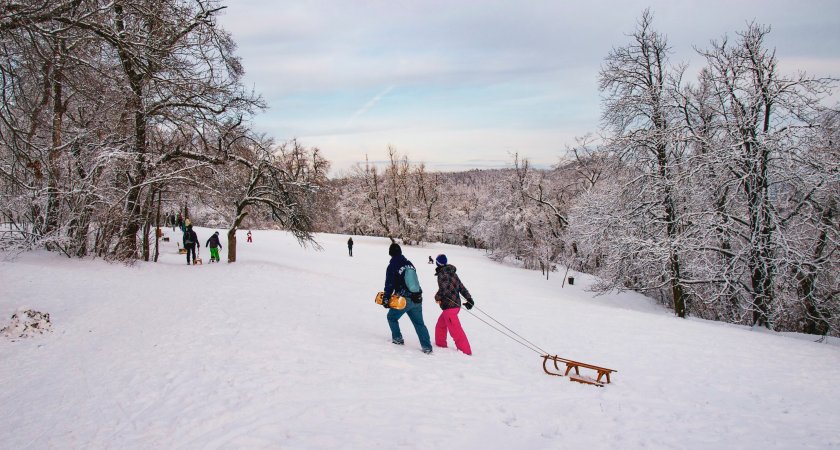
350,246
395,283
447,296
190,242
214,245
249,235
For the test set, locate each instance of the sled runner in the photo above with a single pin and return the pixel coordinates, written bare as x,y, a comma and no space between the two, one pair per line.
397,302
603,372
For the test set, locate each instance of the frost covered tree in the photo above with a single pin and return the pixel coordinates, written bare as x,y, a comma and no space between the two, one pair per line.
94,93
281,181
176,66
542,201
756,129
638,83
249,175
815,237
400,201
55,106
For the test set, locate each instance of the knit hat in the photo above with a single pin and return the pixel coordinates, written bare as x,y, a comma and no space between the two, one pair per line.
394,250
440,260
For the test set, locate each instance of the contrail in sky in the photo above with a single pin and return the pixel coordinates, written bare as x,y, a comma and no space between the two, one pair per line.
370,104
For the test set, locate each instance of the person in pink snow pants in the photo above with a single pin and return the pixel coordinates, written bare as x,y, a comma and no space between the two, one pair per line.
447,296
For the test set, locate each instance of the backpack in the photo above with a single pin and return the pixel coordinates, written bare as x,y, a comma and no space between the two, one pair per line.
411,281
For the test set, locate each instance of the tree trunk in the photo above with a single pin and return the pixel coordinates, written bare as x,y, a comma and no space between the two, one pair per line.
53,171
240,216
760,263
148,209
79,226
128,240
231,245
671,228
815,322
157,228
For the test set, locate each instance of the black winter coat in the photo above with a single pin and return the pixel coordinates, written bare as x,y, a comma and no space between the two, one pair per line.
449,286
190,238
394,282
213,242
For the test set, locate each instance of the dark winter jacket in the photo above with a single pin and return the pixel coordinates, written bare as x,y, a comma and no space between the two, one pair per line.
449,286
394,281
350,243
190,238
213,242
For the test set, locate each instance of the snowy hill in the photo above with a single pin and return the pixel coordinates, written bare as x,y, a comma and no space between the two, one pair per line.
286,349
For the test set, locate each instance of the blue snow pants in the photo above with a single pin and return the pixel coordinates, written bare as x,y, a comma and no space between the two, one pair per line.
415,313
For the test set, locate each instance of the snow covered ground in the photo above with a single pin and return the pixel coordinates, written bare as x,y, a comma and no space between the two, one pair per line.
286,349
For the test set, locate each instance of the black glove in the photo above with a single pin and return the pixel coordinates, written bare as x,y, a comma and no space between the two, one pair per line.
386,302
469,303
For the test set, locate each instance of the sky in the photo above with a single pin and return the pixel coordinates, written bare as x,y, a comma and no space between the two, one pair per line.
466,84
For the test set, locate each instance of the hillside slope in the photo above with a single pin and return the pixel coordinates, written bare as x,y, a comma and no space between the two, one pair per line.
286,349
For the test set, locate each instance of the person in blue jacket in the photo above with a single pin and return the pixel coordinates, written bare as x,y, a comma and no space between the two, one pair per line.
394,283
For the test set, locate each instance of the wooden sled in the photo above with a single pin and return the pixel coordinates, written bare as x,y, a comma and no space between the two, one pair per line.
603,373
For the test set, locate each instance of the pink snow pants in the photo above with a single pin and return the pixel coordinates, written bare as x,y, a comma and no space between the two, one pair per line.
448,321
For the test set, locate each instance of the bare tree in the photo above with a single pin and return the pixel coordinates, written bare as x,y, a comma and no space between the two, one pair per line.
92,92
402,199
763,125
639,109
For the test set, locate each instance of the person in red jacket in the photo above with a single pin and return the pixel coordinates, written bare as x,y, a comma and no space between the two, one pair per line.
447,296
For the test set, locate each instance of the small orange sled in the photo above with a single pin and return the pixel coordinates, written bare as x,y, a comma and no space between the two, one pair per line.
397,302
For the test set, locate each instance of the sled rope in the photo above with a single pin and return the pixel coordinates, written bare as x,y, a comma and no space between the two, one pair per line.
603,373
530,345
